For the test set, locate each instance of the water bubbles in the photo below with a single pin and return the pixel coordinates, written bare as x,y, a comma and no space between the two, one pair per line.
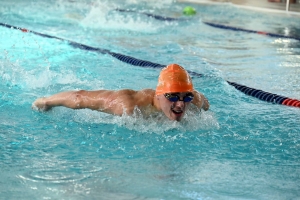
156,123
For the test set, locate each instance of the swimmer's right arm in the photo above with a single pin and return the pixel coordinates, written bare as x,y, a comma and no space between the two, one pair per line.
71,99
108,101
205,104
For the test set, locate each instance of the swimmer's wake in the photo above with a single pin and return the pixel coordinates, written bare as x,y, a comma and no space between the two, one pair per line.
262,95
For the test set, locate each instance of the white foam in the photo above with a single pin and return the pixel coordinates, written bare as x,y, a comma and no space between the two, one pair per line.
42,77
98,17
157,123
152,3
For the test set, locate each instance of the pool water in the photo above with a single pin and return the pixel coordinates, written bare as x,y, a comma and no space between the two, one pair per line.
242,148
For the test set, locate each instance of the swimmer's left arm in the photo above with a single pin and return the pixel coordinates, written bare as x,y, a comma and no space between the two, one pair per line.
205,104
200,101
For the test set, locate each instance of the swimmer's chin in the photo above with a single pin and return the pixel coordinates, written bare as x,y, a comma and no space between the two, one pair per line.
176,115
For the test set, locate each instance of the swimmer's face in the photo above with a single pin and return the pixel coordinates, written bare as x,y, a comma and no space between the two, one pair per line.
174,105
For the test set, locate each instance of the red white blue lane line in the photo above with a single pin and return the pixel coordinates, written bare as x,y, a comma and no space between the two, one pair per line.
262,95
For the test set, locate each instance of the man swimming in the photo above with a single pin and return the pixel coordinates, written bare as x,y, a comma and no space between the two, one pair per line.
173,94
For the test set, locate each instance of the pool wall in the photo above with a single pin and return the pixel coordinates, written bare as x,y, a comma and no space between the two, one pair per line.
265,5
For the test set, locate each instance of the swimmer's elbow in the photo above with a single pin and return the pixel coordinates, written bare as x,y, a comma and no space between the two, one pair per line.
76,100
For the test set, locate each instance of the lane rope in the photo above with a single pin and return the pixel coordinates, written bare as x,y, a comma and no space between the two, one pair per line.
215,25
262,95
158,17
250,31
266,96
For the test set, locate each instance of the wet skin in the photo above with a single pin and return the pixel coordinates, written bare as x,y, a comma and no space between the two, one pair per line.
173,110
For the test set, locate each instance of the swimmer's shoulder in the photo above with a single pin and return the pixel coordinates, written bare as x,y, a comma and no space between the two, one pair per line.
144,97
150,92
200,100
143,92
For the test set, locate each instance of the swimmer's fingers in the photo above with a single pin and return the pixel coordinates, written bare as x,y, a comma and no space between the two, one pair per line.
40,105
36,108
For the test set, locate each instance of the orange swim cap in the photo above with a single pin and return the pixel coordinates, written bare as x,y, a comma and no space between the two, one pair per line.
174,78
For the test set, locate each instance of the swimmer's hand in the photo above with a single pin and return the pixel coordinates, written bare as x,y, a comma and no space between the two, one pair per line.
40,105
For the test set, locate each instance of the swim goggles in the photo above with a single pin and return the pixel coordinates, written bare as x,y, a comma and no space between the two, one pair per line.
175,97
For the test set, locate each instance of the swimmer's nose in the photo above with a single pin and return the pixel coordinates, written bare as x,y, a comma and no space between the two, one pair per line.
179,104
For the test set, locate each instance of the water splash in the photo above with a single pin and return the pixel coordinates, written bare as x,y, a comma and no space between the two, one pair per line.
102,15
155,123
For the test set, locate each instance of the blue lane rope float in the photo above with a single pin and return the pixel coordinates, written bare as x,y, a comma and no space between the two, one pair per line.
266,96
121,57
127,59
215,25
262,95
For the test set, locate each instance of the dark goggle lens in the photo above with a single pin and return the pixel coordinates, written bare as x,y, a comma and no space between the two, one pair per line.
188,97
175,97
172,98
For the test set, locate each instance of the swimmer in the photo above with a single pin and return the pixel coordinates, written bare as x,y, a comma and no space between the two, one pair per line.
173,94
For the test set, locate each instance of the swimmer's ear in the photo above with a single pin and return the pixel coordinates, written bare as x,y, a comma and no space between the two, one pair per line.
157,102
157,97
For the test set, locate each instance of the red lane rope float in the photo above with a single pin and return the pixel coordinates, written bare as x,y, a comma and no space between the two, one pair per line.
291,102
262,95
24,30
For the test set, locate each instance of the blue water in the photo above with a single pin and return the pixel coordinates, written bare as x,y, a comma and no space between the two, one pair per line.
243,148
